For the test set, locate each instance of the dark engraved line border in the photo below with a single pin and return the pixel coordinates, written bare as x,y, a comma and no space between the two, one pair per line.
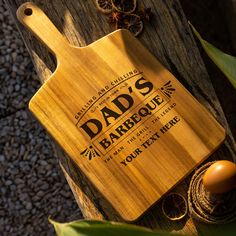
105,94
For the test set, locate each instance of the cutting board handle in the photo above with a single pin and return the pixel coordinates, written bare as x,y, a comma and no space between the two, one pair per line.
37,22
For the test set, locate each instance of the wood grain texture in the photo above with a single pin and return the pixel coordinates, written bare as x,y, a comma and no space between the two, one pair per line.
169,38
112,103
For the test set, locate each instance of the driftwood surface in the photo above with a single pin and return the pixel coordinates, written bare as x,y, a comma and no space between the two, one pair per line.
169,38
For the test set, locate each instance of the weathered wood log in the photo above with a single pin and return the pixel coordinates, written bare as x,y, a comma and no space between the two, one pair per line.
169,38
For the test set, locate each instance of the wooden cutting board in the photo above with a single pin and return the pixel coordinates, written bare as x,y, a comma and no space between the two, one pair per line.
123,118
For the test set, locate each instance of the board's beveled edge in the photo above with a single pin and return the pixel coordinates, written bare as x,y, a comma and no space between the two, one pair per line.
121,213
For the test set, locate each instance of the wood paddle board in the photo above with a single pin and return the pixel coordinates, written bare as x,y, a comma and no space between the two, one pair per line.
123,118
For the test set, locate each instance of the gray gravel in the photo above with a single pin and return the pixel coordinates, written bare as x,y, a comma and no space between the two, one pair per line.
32,184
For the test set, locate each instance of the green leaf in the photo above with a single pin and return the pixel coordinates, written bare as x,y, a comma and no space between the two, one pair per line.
225,62
102,228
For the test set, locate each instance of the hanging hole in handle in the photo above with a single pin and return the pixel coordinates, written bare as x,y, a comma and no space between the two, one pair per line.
28,11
